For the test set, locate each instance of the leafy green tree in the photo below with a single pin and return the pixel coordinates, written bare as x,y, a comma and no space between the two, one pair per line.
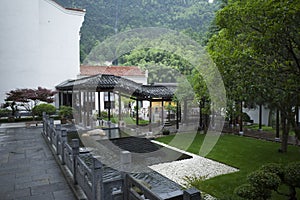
257,52
47,108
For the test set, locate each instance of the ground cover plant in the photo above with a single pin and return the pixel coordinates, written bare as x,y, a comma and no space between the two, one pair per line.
246,154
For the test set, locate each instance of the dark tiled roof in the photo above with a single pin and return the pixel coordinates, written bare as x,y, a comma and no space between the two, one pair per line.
119,84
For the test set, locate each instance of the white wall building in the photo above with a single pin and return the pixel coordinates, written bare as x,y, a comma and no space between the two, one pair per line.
39,44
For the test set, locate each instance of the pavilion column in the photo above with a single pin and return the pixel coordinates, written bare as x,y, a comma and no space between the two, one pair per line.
59,98
88,107
80,106
99,105
67,99
120,107
162,112
84,109
137,112
109,106
177,113
150,116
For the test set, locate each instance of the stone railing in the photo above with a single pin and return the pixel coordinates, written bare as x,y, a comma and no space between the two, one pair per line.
89,179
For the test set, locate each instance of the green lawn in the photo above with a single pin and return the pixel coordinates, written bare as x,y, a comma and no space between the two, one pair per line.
244,153
128,120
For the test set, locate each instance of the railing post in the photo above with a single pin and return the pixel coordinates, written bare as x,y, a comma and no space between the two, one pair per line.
75,153
63,141
51,129
125,161
191,194
46,126
44,123
57,136
97,181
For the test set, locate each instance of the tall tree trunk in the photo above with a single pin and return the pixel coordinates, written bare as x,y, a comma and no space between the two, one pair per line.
285,133
270,118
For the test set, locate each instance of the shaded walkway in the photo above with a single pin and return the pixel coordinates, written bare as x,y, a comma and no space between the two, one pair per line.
27,167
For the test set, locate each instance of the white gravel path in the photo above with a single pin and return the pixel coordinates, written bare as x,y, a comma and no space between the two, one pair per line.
196,166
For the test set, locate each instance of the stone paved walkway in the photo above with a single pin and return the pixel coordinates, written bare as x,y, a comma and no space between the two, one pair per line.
27,167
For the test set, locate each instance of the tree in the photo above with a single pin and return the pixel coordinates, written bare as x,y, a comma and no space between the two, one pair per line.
257,51
28,98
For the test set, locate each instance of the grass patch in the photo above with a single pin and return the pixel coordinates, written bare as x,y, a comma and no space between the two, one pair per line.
246,154
128,120
271,129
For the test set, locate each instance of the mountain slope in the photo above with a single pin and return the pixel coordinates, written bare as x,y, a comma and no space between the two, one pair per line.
104,18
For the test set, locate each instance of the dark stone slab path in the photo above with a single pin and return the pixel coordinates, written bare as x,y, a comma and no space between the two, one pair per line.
28,170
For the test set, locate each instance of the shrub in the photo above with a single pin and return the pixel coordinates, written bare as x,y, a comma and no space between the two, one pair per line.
250,192
292,174
274,168
264,180
166,132
47,108
65,112
246,117
5,112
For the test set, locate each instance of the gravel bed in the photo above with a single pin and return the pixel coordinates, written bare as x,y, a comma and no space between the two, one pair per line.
196,166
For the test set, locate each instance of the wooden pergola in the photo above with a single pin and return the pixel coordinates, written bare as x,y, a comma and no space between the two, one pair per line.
80,94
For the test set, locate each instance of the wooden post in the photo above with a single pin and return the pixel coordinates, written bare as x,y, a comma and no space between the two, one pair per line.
177,114
162,112
80,107
99,105
137,112
88,108
75,153
150,116
109,106
120,107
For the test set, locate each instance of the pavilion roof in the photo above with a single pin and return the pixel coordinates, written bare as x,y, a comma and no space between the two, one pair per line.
111,83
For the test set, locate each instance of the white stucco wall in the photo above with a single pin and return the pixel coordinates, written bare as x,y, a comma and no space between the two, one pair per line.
254,114
39,44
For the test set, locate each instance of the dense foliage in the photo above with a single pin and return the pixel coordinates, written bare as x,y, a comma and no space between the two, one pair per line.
104,18
257,51
27,98
268,178
47,108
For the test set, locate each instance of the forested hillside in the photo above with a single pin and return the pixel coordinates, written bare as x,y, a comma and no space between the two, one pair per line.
105,18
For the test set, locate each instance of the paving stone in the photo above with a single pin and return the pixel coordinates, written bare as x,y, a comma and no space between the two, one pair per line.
48,196
63,195
31,184
23,193
48,188
28,170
